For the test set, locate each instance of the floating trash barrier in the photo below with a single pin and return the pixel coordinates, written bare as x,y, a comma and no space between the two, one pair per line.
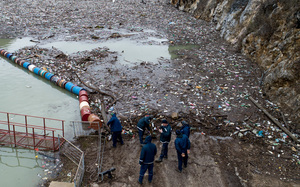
85,110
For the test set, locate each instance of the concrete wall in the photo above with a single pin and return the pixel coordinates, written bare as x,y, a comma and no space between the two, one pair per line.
268,32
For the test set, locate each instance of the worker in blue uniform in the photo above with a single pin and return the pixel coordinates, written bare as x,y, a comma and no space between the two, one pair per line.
185,129
182,145
116,129
146,159
143,124
165,138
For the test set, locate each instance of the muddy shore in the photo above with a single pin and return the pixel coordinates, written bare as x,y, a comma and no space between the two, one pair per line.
207,85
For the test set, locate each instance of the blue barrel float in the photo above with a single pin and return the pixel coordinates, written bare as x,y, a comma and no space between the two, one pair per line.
42,72
36,70
26,64
48,76
69,86
8,55
76,90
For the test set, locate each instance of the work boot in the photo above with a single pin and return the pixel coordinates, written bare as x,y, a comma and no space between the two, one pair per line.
179,171
158,160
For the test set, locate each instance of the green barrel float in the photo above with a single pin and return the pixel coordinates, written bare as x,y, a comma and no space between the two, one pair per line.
42,72
13,58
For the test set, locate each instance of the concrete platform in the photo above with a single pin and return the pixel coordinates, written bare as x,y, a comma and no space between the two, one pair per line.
61,184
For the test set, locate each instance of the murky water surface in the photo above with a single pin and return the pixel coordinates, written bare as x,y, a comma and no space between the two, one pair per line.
130,51
26,93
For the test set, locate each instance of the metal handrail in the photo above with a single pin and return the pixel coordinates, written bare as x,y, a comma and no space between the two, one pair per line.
32,116
29,126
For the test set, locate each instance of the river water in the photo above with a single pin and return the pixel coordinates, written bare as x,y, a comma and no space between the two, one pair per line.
26,93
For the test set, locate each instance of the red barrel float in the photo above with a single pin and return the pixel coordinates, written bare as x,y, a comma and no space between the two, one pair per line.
83,98
85,113
83,92
94,121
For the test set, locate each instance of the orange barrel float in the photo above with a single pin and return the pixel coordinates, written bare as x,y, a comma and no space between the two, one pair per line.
1,50
85,113
94,121
61,83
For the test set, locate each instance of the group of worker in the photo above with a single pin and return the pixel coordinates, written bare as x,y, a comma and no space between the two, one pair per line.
149,150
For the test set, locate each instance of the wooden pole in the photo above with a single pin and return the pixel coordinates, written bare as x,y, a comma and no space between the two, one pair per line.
274,120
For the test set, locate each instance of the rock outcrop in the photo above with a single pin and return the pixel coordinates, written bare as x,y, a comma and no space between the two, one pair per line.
268,32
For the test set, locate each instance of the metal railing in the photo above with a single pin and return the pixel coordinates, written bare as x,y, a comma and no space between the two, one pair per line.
29,131
29,121
75,155
83,128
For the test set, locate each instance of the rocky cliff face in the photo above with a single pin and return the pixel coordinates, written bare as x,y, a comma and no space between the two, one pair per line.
268,32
